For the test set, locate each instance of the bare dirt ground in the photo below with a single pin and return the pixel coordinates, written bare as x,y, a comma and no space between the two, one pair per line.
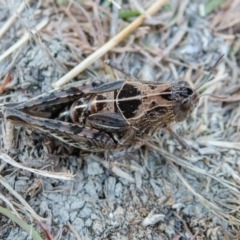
158,192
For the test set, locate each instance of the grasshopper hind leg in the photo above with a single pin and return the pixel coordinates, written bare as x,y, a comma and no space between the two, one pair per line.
73,135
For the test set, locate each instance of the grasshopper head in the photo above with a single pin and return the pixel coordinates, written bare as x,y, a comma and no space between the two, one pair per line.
185,100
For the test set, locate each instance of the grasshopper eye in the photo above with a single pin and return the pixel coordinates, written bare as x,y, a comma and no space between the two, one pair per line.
186,104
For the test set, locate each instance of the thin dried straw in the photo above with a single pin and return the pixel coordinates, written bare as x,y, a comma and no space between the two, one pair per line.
13,18
20,199
9,204
74,231
218,211
113,2
109,45
210,205
59,175
179,161
114,169
24,39
221,144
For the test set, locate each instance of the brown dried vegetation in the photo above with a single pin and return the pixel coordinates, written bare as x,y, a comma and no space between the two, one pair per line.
160,191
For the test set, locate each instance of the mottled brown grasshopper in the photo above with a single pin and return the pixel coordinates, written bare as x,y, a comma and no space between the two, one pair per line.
101,115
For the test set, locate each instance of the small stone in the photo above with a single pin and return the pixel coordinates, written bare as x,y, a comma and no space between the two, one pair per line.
94,168
77,204
88,222
98,227
85,212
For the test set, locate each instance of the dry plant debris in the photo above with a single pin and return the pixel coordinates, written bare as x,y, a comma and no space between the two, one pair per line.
158,192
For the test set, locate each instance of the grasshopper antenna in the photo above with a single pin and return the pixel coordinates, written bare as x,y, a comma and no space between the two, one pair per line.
210,74
214,96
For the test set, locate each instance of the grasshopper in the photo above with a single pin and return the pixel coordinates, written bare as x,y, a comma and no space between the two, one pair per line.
104,115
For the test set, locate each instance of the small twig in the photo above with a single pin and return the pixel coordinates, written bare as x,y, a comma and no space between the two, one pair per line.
59,175
20,199
215,209
46,231
177,38
76,27
114,169
5,81
185,225
116,4
74,231
220,144
98,23
179,161
139,8
114,21
109,45
24,39
89,19
9,204
228,25
180,13
28,228
13,18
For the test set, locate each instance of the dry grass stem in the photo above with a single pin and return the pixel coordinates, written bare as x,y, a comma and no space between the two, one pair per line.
26,206
177,38
116,170
13,18
5,81
109,45
76,27
183,193
216,79
179,161
180,13
221,144
21,223
218,211
60,175
233,98
9,204
140,8
117,5
74,231
24,39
